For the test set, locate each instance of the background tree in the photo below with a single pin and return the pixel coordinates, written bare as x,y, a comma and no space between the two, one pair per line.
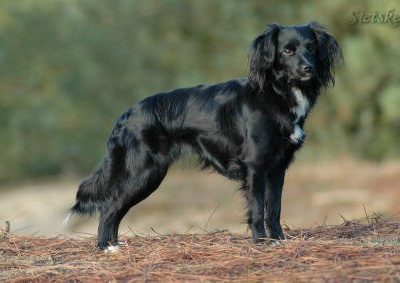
68,68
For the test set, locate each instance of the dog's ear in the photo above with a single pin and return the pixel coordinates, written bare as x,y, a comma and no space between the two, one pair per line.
262,56
329,54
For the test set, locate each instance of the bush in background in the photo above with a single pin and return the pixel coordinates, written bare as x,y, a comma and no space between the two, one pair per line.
68,68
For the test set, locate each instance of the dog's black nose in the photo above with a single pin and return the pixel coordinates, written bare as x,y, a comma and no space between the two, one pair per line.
307,68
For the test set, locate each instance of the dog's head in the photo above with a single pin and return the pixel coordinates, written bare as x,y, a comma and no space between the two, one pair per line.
294,54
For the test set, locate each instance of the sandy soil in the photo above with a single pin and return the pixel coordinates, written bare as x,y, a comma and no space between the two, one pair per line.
194,201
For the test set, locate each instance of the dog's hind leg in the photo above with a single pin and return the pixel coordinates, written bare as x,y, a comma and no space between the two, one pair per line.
129,190
110,217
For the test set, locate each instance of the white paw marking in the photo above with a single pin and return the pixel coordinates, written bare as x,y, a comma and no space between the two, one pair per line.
122,243
275,243
111,249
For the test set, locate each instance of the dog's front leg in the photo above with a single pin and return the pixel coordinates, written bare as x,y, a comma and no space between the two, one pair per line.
273,195
255,196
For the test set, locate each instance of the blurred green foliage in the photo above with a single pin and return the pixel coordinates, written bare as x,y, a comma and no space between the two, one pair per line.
68,68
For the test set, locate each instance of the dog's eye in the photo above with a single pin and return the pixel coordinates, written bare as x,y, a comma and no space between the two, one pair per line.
288,52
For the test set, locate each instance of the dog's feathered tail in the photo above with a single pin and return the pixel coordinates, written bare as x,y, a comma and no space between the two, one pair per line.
93,191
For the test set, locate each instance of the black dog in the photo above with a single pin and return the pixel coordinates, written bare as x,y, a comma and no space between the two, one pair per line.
247,130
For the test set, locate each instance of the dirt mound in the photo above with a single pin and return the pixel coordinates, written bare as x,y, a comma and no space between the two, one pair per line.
355,250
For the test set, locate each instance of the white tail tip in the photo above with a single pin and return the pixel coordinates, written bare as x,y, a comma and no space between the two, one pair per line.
66,220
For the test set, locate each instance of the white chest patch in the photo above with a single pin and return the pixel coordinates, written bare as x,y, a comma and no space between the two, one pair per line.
300,110
297,135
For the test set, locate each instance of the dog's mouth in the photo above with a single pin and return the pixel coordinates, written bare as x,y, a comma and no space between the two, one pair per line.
304,76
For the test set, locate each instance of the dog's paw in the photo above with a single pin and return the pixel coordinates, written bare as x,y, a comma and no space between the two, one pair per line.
274,243
122,243
267,242
111,249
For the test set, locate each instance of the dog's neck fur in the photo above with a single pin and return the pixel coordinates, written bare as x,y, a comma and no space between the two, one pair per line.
290,98
290,104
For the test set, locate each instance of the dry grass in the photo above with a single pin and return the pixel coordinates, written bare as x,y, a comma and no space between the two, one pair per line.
367,250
